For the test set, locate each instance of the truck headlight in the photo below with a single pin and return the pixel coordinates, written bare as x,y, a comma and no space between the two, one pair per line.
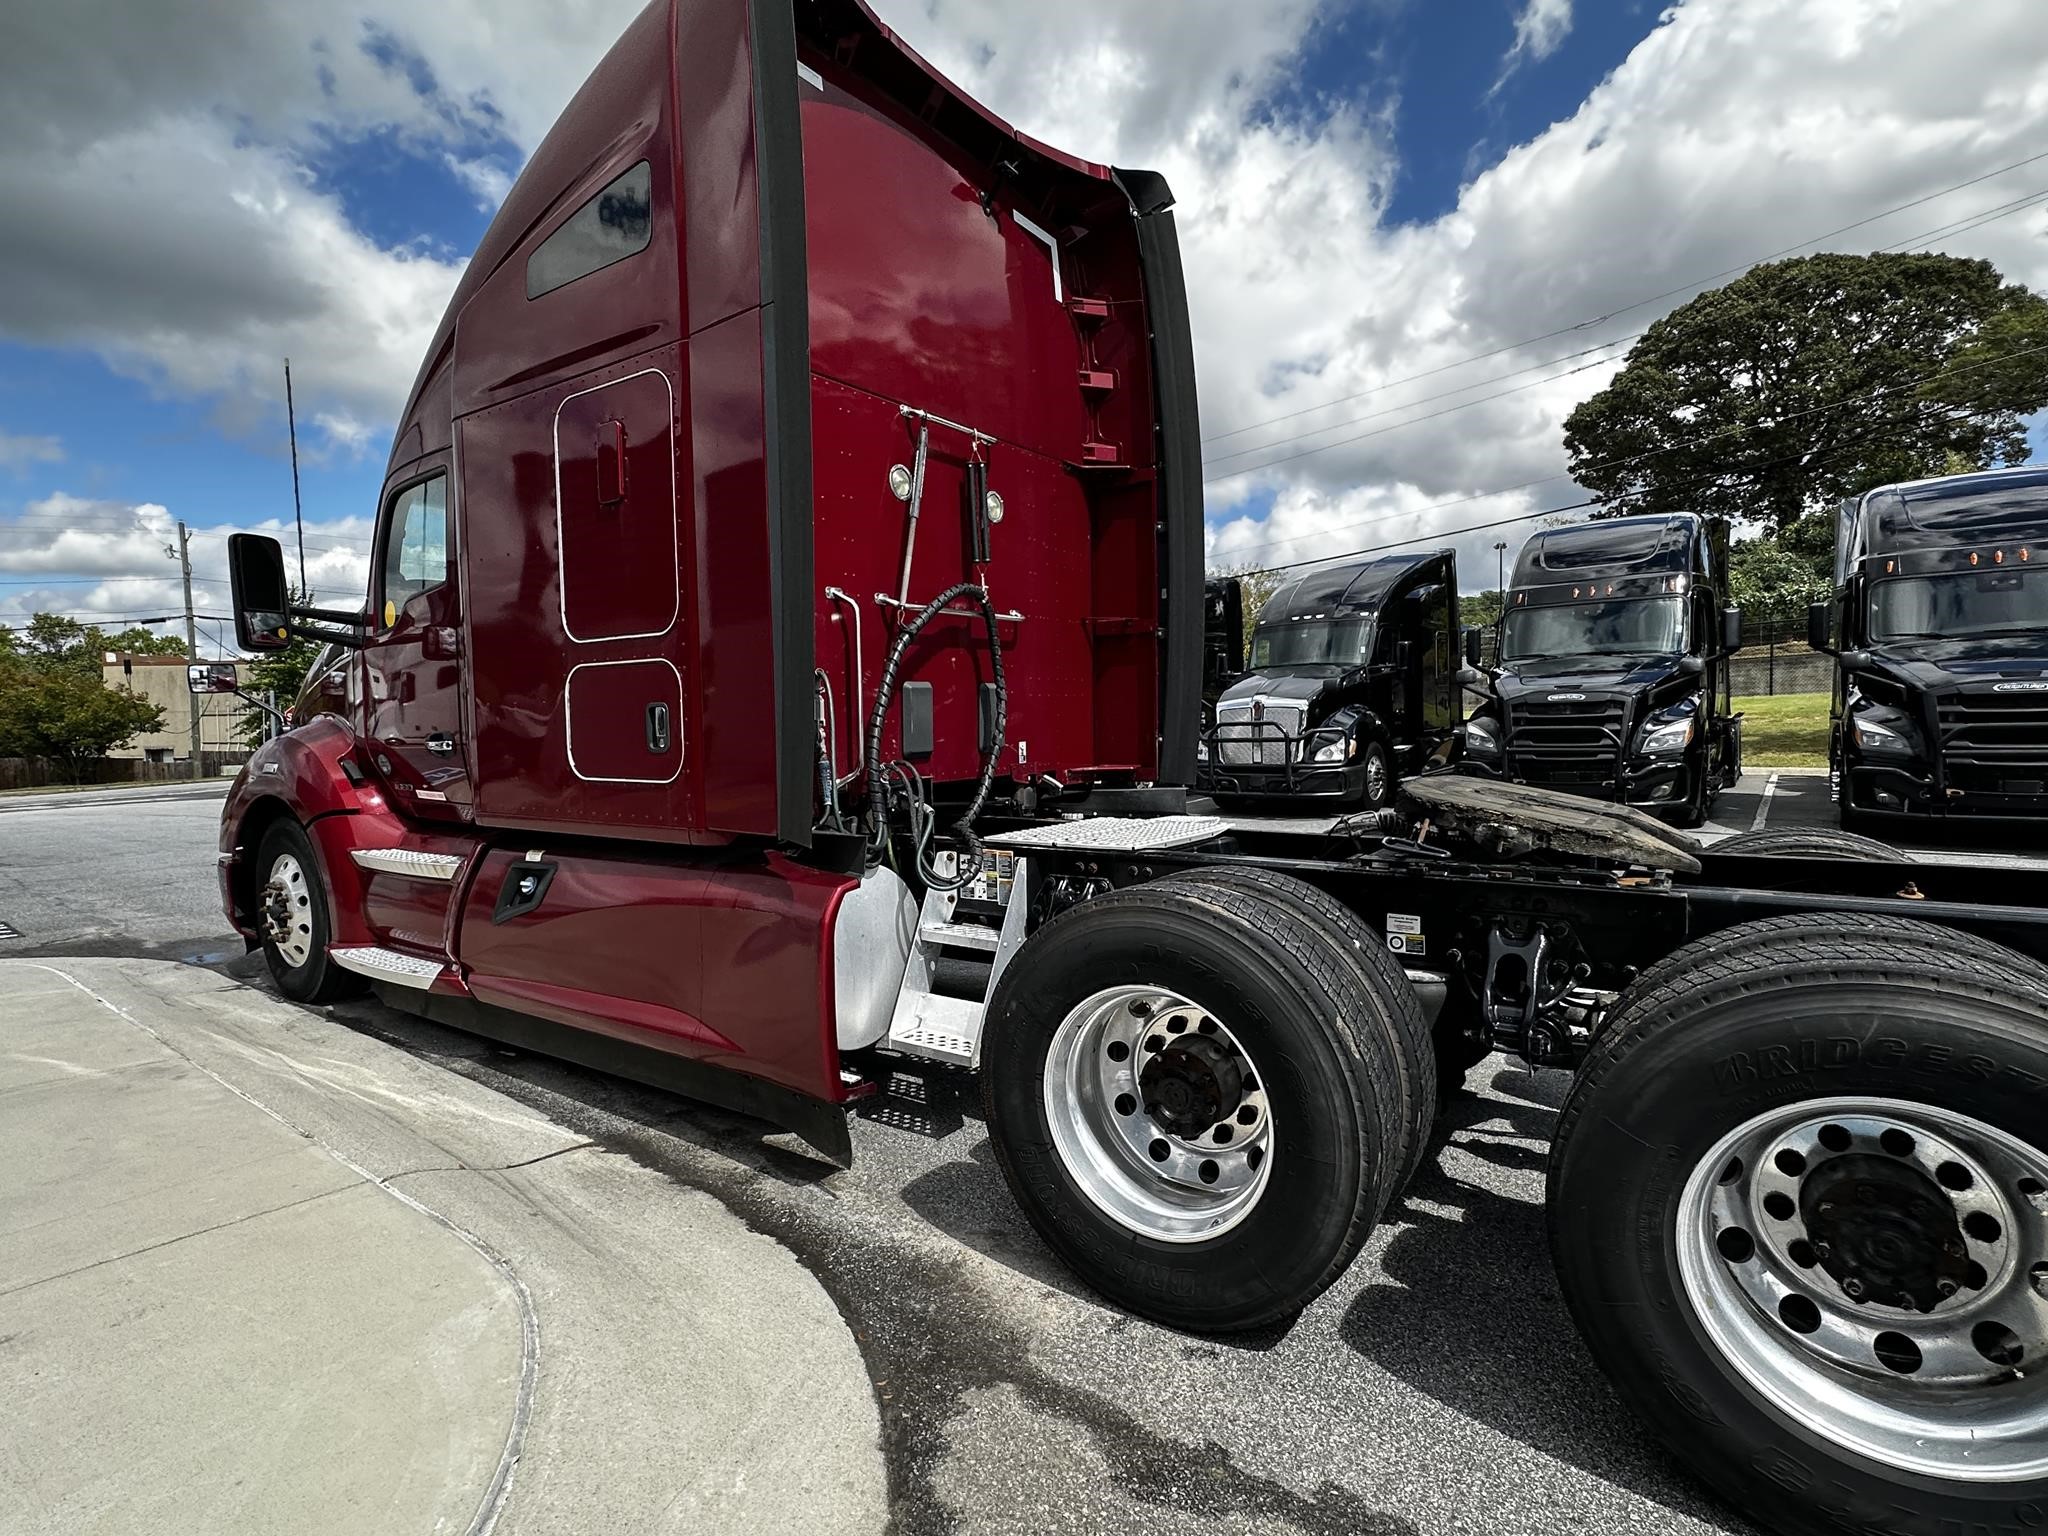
1482,737
1674,737
1878,729
1333,751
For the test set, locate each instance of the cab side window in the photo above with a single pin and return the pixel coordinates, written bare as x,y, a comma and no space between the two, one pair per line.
415,554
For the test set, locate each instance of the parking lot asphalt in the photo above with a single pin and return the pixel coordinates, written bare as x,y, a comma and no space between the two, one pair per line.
1437,1388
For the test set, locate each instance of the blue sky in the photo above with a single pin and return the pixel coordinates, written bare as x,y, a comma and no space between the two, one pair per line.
1370,189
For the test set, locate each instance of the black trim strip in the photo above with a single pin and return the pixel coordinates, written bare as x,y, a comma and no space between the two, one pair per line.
1180,474
786,397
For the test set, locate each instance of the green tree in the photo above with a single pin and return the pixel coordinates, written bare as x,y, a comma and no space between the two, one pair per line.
50,708
1479,610
1808,380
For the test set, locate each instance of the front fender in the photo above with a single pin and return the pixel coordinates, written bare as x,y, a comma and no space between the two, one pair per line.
313,775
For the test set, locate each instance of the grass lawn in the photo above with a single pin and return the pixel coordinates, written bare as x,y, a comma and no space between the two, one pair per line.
1787,730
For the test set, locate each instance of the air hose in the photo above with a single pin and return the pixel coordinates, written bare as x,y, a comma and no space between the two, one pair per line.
907,777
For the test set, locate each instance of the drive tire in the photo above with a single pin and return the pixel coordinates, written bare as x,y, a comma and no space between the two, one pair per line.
305,974
1330,1081
1750,1036
1382,989
1811,843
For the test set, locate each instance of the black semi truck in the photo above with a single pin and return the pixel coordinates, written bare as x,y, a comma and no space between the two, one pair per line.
1351,683
1939,626
1613,677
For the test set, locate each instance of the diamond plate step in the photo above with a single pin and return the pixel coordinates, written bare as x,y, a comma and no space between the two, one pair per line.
380,964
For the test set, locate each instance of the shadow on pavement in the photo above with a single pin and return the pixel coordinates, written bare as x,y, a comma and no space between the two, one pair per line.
1474,1318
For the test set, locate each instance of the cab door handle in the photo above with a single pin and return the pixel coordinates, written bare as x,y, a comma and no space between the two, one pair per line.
657,728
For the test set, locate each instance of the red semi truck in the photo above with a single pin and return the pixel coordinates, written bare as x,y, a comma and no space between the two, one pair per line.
783,660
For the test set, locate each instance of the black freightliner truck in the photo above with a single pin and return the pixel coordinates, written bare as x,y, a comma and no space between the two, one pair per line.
1613,677
1940,630
1351,683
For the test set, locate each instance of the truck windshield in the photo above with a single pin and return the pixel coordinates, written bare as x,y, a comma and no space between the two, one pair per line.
1960,605
1638,626
1342,642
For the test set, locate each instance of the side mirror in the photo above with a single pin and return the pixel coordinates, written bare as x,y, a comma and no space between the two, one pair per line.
1404,654
211,677
261,597
1692,665
1471,643
1222,634
1818,626
1731,630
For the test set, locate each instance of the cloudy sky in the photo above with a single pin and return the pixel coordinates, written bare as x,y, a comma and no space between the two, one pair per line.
1417,231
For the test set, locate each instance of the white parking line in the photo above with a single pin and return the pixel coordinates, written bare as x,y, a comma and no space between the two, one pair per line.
1763,806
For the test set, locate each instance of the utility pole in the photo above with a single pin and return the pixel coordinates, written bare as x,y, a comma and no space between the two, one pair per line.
191,646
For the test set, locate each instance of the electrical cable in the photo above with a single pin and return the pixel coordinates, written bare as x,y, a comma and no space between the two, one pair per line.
917,810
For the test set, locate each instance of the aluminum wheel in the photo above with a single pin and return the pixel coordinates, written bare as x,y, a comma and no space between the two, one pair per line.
1159,1114
1377,776
1878,1270
287,911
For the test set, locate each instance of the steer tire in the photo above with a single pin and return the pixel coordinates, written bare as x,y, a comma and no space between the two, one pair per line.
1812,843
1329,1073
1795,1029
1379,977
315,978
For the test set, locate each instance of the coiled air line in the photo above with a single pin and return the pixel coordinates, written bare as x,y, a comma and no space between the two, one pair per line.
906,777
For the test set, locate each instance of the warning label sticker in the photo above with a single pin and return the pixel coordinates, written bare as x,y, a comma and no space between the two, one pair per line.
1406,944
1403,923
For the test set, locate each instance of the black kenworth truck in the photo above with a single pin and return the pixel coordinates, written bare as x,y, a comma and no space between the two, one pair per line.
1352,681
1613,677
1939,627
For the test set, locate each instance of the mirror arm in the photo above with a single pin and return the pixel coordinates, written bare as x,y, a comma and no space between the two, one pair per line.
347,639
250,699
329,616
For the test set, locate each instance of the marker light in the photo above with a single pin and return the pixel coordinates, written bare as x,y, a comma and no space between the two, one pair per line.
1998,557
1973,557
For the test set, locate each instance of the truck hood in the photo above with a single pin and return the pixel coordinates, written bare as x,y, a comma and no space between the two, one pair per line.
1306,684
1587,674
1937,664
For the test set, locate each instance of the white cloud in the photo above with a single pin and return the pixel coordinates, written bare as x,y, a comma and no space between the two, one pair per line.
486,179
157,203
18,451
1540,26
1735,128
115,562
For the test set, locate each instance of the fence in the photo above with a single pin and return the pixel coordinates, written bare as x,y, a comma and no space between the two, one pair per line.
41,773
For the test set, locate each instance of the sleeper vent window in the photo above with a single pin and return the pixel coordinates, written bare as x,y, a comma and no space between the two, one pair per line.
613,225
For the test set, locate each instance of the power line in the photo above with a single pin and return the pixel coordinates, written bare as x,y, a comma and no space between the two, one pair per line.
1514,346
1681,443
1974,221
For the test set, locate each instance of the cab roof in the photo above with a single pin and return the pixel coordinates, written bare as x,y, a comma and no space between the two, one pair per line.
1356,587
1615,546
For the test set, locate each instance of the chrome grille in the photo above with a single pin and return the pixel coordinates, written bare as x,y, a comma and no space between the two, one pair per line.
1248,736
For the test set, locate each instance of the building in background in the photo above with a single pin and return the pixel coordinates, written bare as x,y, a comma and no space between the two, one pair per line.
161,680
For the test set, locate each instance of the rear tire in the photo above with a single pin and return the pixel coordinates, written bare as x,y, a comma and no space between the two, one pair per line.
1116,1186
1710,1293
1380,979
1811,843
294,916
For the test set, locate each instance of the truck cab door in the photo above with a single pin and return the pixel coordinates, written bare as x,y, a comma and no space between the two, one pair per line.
413,718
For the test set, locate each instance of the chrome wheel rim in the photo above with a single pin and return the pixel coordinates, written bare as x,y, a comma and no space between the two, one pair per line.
287,907
1158,1113
1878,1271
1375,775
